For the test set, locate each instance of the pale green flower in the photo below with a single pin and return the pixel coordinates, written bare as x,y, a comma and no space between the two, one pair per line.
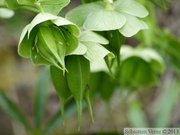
122,15
48,39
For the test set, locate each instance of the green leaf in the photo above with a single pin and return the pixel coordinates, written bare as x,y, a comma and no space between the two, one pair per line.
37,59
69,26
102,66
50,19
61,87
166,103
39,18
133,73
6,13
41,96
71,42
46,54
48,46
60,40
53,6
79,14
80,50
13,111
78,78
25,43
130,7
96,52
88,103
132,26
89,36
136,115
26,2
12,4
24,48
104,20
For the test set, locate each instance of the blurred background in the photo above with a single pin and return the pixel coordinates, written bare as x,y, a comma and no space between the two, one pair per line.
157,106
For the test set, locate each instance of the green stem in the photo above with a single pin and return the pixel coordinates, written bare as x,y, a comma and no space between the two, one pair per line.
115,42
108,5
38,5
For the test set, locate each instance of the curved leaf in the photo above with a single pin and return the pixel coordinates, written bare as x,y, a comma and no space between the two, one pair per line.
37,59
13,111
61,87
41,96
79,14
71,27
80,50
24,46
90,36
130,7
41,17
102,20
132,26
96,52
71,42
78,79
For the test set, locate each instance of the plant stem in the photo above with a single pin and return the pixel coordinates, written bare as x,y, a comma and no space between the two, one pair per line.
38,5
108,5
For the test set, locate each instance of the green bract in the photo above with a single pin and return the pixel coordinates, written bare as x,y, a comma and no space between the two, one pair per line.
122,15
48,39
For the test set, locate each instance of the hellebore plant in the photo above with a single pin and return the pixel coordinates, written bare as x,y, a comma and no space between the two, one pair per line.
89,33
48,40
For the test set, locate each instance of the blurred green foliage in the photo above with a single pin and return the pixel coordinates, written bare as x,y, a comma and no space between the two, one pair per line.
135,73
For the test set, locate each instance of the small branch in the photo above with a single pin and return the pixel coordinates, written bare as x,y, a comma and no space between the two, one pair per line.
38,5
108,5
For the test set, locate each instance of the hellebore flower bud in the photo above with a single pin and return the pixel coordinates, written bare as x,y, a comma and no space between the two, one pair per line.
48,39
